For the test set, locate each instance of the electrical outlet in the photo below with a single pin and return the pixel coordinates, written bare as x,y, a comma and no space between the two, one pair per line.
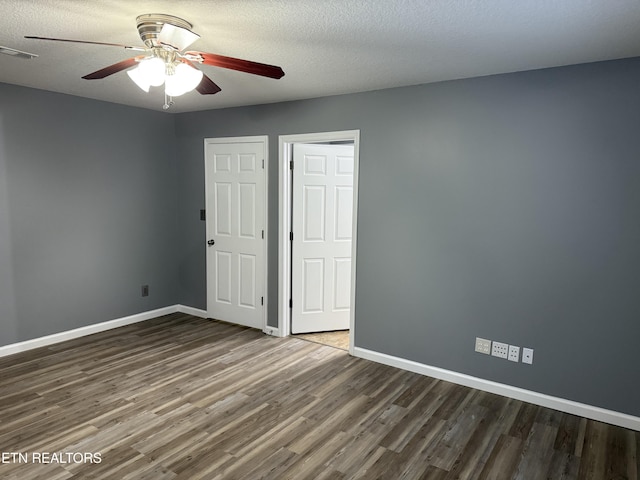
499,349
527,355
145,290
483,346
514,353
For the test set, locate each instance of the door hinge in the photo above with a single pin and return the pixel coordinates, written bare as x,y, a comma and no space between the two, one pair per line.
291,165
291,236
261,300
263,163
290,303
263,234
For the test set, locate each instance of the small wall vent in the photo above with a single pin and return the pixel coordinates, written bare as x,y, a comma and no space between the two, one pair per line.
16,53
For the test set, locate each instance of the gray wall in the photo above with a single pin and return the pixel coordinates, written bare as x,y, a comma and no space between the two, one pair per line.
505,207
87,212
273,120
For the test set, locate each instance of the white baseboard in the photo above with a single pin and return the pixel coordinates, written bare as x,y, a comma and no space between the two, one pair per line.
196,312
98,327
568,406
273,331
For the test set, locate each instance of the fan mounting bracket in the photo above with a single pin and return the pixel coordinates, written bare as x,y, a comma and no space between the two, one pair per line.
150,24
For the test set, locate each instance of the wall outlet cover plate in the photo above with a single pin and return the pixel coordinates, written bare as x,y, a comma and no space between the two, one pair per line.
499,349
514,353
483,345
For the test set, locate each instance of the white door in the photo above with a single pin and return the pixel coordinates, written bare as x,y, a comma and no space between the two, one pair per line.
321,250
235,206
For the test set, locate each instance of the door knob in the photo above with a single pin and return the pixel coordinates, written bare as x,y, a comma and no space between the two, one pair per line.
211,242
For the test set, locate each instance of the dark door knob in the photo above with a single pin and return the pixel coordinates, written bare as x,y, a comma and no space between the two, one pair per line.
211,242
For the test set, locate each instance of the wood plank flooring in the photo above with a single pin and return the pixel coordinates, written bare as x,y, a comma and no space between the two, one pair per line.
184,398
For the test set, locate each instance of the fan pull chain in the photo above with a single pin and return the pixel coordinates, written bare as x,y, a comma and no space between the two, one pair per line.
168,101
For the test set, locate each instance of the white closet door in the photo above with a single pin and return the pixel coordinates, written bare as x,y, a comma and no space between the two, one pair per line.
235,223
321,250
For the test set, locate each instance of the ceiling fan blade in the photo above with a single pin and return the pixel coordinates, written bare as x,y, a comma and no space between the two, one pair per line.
86,42
177,37
115,68
206,85
247,66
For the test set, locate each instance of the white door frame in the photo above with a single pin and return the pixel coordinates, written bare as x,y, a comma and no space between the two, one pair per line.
285,196
264,139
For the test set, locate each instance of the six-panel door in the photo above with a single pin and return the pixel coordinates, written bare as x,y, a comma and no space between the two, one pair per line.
322,224
235,224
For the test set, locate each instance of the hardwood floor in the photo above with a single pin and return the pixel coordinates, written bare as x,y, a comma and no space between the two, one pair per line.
184,398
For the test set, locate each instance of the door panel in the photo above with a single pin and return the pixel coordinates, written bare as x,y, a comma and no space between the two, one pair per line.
223,277
313,218
247,282
322,229
342,284
313,285
223,209
343,214
235,199
247,210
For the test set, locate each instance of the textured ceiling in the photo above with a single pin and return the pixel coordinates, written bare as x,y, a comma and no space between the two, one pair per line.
325,47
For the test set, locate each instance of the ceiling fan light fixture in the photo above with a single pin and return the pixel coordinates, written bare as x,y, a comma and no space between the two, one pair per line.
139,79
183,80
152,69
148,73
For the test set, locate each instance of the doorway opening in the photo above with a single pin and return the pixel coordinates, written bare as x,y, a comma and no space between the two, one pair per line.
317,233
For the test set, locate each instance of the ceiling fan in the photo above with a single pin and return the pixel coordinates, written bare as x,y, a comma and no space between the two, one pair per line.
165,60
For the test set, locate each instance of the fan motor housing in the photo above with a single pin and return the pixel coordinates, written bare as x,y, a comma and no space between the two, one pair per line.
150,24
